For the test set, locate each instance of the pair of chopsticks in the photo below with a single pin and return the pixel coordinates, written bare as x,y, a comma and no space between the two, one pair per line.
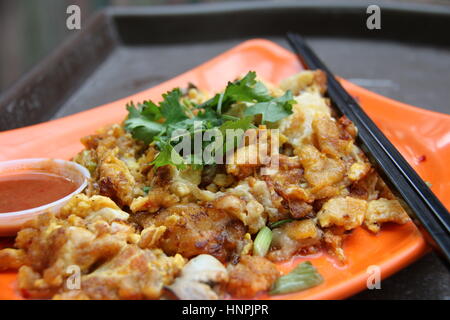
425,210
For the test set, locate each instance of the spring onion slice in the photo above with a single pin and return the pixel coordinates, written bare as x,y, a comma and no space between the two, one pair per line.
262,242
279,223
146,189
304,276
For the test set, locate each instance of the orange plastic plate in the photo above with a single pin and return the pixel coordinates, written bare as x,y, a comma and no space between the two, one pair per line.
415,132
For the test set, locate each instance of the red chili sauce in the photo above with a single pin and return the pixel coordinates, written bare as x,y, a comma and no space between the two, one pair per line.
31,189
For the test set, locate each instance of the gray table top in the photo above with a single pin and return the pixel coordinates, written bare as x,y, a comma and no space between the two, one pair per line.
414,74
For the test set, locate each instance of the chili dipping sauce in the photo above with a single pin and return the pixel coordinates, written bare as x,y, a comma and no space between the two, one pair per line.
30,189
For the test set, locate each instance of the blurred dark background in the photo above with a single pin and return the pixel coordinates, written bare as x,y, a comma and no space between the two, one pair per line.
30,29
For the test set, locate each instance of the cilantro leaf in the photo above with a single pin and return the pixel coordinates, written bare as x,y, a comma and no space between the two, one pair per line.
167,156
150,111
171,108
142,123
244,124
246,90
273,110
233,109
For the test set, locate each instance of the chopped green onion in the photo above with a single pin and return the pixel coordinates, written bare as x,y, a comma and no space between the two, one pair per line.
304,276
262,242
146,189
91,166
89,163
279,223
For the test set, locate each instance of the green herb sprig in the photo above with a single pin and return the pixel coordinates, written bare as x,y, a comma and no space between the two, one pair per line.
155,124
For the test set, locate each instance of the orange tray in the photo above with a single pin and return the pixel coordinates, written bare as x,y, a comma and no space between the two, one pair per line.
423,138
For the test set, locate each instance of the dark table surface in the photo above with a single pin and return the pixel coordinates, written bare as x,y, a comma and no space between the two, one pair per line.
415,74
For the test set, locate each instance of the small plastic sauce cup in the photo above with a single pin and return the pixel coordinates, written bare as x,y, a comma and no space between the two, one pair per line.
11,222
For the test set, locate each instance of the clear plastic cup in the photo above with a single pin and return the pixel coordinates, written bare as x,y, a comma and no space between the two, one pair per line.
11,222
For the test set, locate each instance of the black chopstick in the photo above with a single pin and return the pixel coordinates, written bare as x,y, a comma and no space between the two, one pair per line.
426,211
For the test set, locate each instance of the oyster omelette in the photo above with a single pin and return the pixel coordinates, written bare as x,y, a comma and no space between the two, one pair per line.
154,224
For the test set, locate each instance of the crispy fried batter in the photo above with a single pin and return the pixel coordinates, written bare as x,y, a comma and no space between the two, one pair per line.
193,230
249,211
132,274
12,259
155,200
345,212
320,171
251,276
111,157
328,137
333,239
116,181
69,246
86,233
293,237
383,210
266,193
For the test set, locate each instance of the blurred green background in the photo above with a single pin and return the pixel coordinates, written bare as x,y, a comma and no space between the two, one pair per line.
30,29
